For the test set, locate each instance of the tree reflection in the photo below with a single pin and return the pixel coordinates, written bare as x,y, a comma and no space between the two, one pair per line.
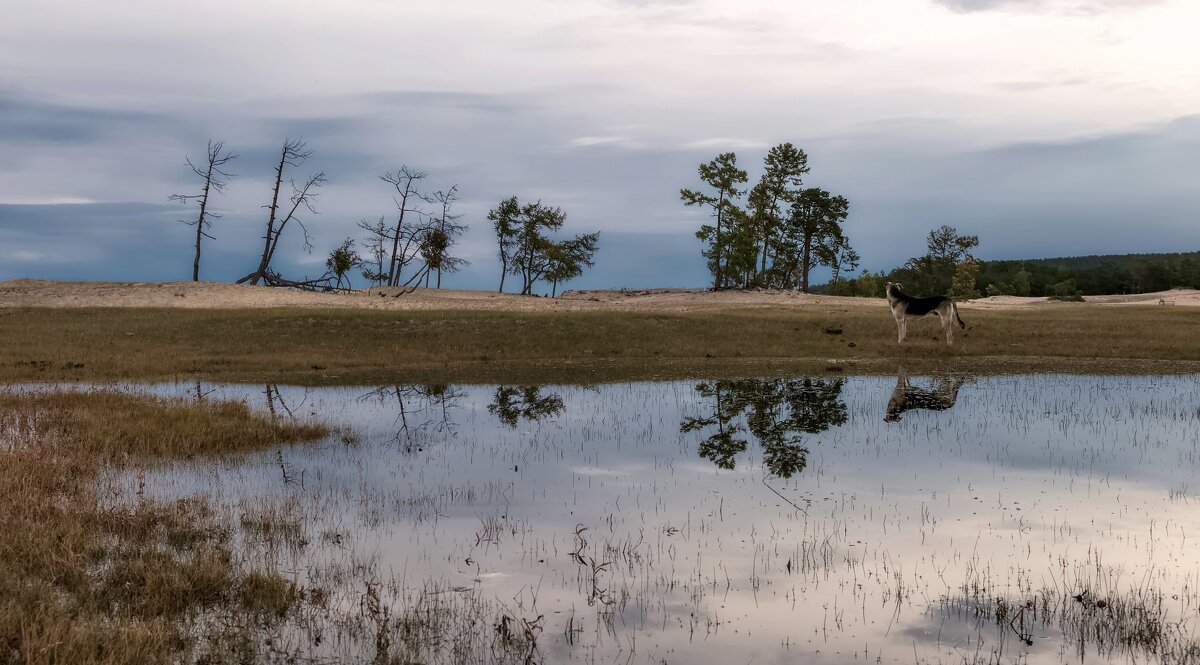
419,408
774,411
513,403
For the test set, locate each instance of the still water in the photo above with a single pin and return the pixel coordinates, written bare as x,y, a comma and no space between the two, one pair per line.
840,520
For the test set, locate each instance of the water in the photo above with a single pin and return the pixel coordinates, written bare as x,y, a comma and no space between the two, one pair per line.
798,520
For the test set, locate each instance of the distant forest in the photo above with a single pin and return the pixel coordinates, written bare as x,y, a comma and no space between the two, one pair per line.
1060,277
1097,275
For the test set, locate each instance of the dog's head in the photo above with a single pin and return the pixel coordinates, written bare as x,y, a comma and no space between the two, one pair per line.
887,288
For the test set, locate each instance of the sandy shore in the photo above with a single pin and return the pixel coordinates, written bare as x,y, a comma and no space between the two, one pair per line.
222,295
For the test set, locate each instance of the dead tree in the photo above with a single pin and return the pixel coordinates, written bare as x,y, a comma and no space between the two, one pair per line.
215,180
295,152
405,234
439,241
377,246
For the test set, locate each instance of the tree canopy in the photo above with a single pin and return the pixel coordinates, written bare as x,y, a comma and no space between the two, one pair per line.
782,233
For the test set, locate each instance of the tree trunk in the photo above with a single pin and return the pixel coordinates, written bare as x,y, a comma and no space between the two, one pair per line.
805,262
200,222
503,272
266,257
391,276
255,276
717,245
393,272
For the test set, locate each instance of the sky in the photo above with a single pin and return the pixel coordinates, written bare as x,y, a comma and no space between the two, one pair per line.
1046,127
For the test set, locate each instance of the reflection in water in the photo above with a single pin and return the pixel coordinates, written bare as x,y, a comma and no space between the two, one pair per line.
908,398
419,408
276,404
776,412
512,403
960,537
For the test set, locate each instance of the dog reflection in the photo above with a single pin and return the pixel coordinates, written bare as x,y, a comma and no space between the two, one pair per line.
906,397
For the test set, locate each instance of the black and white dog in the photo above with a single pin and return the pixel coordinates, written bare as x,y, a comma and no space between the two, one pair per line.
905,307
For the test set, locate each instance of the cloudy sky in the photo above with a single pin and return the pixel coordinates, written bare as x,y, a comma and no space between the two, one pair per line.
1047,127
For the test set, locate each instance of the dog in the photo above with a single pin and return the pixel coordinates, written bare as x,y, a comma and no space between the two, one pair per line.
907,398
905,307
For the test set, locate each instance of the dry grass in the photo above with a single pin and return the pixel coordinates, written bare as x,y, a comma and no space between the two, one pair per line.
82,581
310,346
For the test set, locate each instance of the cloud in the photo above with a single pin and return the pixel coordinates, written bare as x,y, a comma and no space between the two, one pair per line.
589,141
1114,193
1074,7
25,121
724,144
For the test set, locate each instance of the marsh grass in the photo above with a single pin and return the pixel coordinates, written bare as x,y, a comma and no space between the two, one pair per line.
324,347
85,581
1091,609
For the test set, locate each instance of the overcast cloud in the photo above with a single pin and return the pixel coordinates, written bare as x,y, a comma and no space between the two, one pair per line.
1045,127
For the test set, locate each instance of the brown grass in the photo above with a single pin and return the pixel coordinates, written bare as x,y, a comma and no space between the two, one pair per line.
309,346
82,581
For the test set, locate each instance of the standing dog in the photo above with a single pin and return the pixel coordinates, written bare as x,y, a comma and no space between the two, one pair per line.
905,307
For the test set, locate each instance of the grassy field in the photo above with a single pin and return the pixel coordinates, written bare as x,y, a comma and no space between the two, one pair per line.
315,347
86,581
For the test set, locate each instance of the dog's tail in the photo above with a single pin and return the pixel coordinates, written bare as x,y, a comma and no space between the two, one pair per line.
961,324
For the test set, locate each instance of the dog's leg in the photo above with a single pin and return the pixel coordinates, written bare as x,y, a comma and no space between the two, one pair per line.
948,326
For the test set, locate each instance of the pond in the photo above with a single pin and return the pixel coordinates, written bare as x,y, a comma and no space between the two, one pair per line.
1038,519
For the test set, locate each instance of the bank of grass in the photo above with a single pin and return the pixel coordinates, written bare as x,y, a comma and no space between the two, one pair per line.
310,346
85,581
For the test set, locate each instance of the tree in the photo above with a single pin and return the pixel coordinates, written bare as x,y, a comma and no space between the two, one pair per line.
569,258
342,260
1020,283
377,242
527,250
441,239
783,170
294,153
784,230
963,286
723,175
813,236
845,260
215,179
533,246
407,234
934,272
505,220
947,246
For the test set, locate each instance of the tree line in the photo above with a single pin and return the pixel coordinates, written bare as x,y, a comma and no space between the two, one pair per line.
950,267
782,230
412,246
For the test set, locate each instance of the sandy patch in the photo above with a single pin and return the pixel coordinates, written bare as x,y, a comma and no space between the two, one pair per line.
222,295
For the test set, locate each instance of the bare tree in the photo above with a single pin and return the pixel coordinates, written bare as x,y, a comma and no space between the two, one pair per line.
215,180
405,234
377,248
294,153
441,239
